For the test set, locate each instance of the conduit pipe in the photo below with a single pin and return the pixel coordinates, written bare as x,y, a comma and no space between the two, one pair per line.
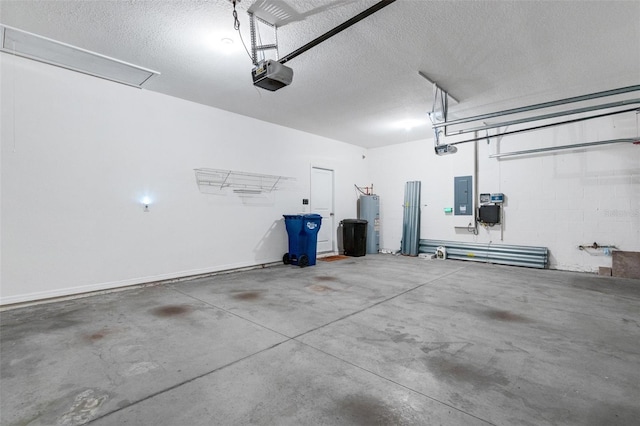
549,116
438,127
543,126
534,107
561,147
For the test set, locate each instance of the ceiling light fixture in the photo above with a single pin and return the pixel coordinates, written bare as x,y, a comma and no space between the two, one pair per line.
32,46
226,46
410,124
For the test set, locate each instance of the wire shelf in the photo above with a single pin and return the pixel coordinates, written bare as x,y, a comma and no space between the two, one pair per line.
239,182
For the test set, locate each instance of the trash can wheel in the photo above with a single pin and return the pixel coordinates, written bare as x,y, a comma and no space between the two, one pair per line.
286,259
303,261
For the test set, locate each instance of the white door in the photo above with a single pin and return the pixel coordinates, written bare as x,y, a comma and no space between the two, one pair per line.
322,204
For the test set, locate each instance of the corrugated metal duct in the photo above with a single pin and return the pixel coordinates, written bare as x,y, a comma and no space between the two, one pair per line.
411,219
533,257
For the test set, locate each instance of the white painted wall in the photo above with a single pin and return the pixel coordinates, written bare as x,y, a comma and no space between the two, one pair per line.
392,166
559,200
79,153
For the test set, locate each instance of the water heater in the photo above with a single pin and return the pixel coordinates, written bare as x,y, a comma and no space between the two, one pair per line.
369,210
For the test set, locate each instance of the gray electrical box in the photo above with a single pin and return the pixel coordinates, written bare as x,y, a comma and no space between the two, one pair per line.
463,195
369,210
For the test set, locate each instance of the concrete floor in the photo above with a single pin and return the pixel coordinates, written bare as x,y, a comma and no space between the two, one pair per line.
372,340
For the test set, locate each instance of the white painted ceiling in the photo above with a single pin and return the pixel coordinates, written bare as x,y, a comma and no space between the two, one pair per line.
363,84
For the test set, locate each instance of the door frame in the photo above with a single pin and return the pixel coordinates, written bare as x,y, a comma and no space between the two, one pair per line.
333,201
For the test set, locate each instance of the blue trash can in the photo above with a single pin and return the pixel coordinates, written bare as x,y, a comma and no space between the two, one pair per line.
293,223
302,231
311,224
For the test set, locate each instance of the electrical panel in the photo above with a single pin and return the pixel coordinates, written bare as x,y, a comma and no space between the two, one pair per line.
463,195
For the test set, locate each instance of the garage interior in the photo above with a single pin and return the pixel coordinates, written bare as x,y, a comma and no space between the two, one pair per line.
148,274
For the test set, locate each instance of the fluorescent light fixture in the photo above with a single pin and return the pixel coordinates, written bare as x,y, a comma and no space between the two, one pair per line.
42,49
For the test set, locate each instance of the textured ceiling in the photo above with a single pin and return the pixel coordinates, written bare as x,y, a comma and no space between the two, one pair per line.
362,85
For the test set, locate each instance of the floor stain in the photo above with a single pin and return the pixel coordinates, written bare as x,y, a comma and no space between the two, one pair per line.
507,316
628,321
84,407
140,368
368,410
325,278
171,311
447,369
248,295
510,348
64,320
398,337
451,348
320,288
98,335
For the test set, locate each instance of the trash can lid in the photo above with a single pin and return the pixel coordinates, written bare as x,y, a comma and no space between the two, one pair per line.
354,221
312,216
292,216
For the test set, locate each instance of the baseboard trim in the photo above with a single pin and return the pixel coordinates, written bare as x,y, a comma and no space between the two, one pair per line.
12,302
